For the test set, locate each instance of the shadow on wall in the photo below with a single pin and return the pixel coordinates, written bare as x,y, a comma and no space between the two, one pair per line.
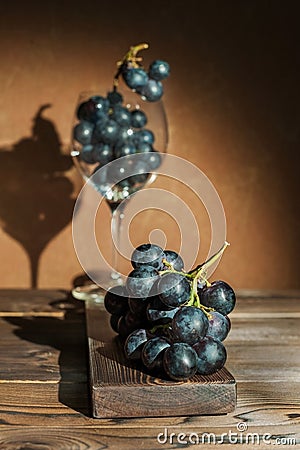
63,334
35,195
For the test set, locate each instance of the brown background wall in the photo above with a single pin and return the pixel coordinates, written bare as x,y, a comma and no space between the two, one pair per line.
233,109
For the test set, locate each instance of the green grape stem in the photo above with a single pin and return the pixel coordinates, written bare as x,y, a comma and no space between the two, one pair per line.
167,264
204,266
130,58
199,273
171,270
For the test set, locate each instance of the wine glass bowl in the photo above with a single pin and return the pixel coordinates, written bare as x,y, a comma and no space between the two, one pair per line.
135,127
117,144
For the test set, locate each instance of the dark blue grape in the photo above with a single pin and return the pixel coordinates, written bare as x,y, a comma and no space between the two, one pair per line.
99,125
158,313
134,77
174,289
128,323
83,132
135,342
114,98
174,259
86,111
135,181
141,170
211,355
124,149
200,285
152,91
159,70
108,132
143,136
148,254
189,324
102,119
120,169
138,118
165,332
156,310
219,296
103,153
144,147
138,305
121,115
126,167
93,109
125,135
153,159
180,361
100,180
87,154
141,280
116,300
218,326
101,103
153,352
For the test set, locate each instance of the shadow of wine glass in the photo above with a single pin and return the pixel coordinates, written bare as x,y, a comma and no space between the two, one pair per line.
35,195
67,335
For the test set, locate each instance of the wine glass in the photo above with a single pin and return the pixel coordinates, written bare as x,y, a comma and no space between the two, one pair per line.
117,146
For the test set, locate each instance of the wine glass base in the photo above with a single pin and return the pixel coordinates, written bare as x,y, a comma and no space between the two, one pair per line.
89,292
95,292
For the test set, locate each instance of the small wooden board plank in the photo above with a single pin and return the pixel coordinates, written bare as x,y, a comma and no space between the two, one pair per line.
123,389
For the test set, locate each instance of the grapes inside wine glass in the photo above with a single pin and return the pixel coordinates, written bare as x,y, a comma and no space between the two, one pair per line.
118,141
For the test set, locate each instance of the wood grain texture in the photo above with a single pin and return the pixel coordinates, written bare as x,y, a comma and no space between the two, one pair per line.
122,388
45,402
33,302
64,403
61,438
41,349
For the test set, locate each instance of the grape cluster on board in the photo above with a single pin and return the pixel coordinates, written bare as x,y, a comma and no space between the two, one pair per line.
173,321
108,128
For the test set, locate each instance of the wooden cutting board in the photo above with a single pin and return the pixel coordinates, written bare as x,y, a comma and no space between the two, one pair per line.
121,388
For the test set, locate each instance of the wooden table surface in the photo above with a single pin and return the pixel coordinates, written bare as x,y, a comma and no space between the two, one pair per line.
44,396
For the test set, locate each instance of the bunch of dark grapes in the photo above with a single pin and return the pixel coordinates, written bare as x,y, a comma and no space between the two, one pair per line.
173,321
108,129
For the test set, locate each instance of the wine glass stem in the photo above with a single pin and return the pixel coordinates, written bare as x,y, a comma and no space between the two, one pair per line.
116,228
